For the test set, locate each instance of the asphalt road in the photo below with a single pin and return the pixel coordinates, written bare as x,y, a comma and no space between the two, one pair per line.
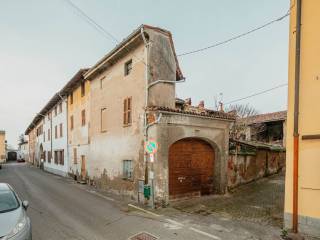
62,209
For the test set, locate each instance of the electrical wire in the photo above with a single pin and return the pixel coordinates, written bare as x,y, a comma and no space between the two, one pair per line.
256,94
106,33
236,36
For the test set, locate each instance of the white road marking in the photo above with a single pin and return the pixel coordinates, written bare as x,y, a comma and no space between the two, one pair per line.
176,224
143,210
100,195
204,233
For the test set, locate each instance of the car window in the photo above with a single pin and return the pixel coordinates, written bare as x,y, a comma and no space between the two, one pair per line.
8,201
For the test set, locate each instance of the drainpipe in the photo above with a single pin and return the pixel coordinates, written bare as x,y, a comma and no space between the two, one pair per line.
296,120
146,105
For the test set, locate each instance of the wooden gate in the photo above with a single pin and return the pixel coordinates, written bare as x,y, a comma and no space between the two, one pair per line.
191,168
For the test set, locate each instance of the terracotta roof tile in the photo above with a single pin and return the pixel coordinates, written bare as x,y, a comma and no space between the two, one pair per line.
206,113
267,117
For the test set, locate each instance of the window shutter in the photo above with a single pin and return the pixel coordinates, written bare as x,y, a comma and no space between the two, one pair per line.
125,103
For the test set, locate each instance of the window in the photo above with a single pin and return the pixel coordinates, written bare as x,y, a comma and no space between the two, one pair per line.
56,157
44,136
128,67
49,116
74,156
101,82
48,134
44,156
127,111
71,123
56,132
61,158
83,89
61,130
83,117
103,119
49,156
60,107
127,169
55,111
71,98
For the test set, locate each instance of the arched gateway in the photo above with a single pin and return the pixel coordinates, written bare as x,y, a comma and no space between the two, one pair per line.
191,168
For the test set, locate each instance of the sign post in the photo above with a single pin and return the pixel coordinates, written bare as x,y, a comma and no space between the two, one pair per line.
151,148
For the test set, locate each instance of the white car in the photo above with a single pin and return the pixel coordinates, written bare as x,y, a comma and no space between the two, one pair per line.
14,222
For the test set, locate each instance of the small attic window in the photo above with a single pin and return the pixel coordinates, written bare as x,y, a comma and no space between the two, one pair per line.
128,67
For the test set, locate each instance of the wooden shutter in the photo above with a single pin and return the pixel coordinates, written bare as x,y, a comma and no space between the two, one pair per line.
125,104
61,133
129,115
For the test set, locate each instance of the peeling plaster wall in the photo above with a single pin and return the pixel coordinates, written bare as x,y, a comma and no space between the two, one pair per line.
244,168
108,149
32,145
173,127
162,67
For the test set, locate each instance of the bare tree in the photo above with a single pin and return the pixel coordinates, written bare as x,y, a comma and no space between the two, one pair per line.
241,110
21,138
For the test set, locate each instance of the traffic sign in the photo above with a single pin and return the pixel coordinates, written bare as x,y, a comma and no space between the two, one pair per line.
151,146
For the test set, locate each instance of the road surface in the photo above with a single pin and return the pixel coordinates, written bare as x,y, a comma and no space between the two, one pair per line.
62,209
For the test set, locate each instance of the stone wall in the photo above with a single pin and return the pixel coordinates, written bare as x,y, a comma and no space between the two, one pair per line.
244,167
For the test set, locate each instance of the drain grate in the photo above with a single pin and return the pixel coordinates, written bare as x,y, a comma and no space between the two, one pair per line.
143,236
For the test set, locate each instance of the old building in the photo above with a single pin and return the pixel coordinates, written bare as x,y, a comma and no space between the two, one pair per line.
31,133
265,128
302,193
48,136
132,100
2,146
23,151
78,91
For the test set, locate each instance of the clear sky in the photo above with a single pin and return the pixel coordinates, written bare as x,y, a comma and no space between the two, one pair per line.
43,43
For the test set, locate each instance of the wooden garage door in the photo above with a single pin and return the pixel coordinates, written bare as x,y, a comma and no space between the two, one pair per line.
191,167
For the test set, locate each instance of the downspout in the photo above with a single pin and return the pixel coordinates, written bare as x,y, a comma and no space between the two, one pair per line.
296,120
146,104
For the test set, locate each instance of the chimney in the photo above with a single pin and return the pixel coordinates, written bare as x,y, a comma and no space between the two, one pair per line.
188,101
201,104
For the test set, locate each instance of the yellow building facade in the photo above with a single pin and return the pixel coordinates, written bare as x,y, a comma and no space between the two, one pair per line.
308,120
78,125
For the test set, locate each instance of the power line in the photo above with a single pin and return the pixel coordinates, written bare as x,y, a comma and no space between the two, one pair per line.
236,36
92,22
106,33
256,94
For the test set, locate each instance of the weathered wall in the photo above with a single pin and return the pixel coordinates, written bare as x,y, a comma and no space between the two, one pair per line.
32,145
162,66
78,137
109,148
309,118
2,146
246,167
174,127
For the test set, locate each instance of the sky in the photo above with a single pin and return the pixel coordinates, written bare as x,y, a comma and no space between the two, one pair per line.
44,43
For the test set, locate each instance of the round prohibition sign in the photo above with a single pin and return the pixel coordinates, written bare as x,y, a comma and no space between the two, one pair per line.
151,146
